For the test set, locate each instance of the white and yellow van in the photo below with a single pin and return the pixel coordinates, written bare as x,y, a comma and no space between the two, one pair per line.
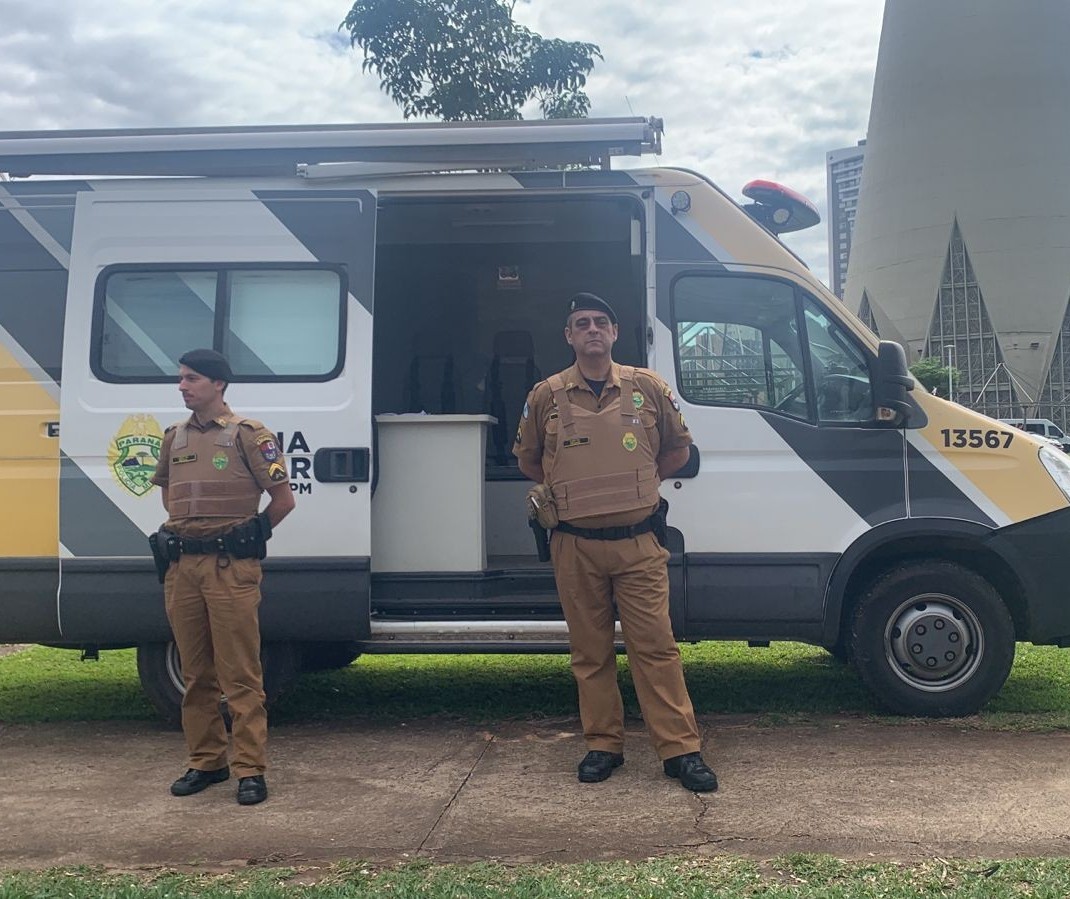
386,296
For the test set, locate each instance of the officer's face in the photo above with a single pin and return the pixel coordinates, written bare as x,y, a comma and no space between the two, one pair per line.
590,333
198,392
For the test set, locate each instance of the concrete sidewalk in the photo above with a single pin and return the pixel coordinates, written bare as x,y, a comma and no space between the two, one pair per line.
98,794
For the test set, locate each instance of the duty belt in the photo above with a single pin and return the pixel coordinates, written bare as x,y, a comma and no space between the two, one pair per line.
622,532
191,546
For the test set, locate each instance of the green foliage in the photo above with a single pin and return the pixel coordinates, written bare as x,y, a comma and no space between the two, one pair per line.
783,684
468,59
932,373
797,876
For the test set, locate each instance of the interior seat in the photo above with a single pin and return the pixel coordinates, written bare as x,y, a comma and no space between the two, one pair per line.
430,385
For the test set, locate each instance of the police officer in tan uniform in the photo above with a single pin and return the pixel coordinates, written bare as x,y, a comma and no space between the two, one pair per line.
213,468
601,436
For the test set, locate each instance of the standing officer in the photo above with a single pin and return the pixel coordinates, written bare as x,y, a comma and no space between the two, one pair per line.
601,436
213,467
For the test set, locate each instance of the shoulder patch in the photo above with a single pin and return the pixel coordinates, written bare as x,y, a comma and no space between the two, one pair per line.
268,449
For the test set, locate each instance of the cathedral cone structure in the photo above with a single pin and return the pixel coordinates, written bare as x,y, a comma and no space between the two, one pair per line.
961,247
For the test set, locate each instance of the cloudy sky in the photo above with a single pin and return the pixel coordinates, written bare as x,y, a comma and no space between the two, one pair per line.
747,90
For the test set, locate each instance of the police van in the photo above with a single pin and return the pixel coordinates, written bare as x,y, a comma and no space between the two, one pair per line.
386,296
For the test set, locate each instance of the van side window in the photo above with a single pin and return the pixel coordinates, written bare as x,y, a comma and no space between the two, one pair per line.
841,376
282,322
272,323
148,316
738,343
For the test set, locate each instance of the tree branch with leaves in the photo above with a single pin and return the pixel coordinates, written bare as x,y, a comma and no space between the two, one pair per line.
468,59
932,374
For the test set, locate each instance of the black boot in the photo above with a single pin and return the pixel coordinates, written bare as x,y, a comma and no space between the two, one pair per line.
193,781
692,772
252,790
598,765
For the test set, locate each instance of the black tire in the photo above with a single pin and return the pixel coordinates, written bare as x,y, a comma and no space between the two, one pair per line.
320,656
160,670
932,638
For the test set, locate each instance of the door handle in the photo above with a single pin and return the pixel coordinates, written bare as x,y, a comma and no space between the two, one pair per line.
342,464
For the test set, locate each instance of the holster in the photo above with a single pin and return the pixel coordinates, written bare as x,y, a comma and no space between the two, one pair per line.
542,507
542,539
659,522
159,544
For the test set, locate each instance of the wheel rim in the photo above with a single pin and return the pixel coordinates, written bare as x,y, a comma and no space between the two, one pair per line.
934,642
174,668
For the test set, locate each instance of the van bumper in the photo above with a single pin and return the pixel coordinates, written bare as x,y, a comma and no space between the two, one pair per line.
1039,552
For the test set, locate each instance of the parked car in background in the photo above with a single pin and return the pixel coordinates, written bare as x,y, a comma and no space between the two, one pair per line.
1043,427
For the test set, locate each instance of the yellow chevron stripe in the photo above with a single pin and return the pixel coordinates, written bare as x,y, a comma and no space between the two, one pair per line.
1011,477
729,227
29,464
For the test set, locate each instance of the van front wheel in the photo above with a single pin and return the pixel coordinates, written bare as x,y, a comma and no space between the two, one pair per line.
160,671
932,638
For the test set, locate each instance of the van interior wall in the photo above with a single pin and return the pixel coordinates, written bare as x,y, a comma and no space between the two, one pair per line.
468,324
435,304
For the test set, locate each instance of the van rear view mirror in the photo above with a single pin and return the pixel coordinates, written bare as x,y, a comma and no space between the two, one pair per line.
893,380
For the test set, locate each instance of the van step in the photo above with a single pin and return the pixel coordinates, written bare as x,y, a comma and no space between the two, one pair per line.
451,632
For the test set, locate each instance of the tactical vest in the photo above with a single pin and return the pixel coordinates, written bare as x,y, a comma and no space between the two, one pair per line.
208,476
603,463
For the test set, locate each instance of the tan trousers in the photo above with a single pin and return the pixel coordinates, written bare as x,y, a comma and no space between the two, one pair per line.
212,604
593,576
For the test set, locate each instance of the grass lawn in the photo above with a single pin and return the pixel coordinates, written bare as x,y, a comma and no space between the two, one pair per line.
796,876
787,681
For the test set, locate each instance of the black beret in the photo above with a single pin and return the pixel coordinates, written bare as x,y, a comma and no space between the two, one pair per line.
590,301
208,363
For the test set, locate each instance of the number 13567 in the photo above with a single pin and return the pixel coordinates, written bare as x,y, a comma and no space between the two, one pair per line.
976,438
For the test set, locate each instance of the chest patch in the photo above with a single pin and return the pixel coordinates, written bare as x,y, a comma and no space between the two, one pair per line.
220,460
576,441
637,399
629,442
189,457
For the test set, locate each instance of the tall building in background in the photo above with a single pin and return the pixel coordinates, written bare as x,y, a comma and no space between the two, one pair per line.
961,245
844,169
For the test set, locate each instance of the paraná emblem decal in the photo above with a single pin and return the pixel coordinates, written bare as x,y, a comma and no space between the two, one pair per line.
134,452
629,441
220,460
